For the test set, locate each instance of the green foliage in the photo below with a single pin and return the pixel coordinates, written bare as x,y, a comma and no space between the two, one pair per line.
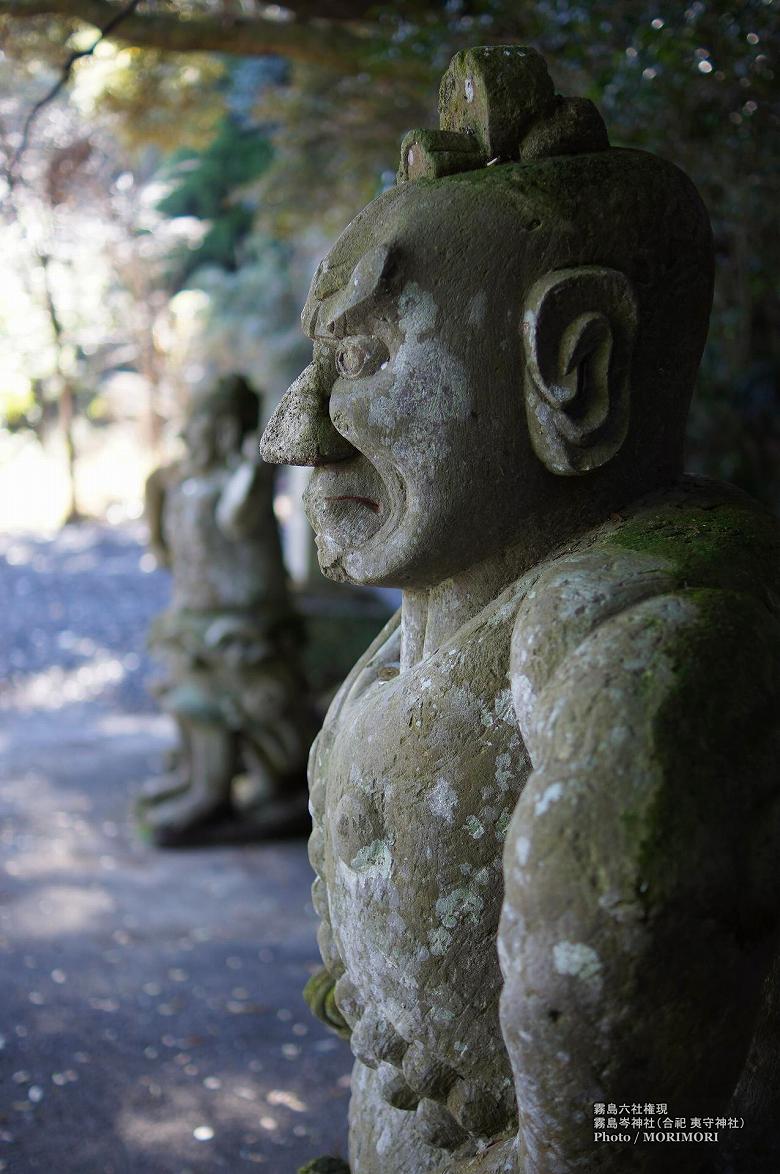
204,186
325,1166
151,98
336,145
694,82
16,404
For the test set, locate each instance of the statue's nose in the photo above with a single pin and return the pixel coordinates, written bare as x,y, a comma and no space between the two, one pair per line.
300,431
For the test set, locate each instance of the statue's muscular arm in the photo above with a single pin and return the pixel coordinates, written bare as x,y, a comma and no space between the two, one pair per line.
155,491
245,500
639,917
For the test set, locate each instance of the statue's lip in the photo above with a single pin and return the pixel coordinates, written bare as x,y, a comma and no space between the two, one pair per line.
369,502
388,508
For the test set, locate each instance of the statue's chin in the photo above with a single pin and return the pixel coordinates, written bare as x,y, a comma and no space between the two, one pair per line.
347,565
330,556
358,553
335,572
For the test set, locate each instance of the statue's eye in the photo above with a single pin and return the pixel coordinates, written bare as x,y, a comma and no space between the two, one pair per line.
360,356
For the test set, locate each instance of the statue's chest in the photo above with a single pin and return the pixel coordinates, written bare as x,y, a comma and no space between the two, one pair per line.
432,755
190,524
414,779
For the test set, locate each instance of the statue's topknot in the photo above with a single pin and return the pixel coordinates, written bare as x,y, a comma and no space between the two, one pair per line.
498,104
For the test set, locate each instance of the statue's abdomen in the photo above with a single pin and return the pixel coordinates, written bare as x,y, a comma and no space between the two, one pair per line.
414,782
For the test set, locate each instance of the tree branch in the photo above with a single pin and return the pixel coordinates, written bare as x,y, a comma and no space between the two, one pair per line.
341,48
111,24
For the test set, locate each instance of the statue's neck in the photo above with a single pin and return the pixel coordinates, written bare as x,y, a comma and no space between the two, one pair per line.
431,615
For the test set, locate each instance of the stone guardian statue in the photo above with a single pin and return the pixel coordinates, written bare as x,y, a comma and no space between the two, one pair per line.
546,800
230,639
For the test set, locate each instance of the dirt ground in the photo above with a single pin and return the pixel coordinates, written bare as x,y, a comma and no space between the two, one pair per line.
151,1020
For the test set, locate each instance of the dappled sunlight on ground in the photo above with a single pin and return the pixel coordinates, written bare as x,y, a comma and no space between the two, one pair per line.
50,688
81,606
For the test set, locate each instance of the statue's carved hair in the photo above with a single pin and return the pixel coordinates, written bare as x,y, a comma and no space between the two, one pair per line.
497,104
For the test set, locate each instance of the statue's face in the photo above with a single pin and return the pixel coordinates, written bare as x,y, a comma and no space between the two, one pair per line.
200,438
403,399
417,365
211,437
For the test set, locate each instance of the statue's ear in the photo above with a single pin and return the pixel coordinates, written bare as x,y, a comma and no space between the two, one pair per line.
579,327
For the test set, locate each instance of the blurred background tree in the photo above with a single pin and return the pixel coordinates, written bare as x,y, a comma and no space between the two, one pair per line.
212,148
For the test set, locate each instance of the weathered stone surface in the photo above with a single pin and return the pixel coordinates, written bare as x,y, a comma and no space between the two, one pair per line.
229,639
572,126
495,93
545,800
429,154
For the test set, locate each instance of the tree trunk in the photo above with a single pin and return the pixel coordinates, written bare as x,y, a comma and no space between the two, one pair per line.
66,399
66,412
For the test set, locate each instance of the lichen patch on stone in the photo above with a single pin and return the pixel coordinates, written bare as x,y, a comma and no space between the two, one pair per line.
443,799
578,960
375,856
550,796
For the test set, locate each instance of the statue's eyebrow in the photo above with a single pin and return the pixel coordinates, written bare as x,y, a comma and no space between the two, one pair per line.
341,293
331,321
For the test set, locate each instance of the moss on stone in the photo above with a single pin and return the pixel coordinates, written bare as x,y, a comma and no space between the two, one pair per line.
325,1166
320,999
729,544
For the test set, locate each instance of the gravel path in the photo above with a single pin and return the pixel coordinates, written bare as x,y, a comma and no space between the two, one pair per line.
73,618
150,1012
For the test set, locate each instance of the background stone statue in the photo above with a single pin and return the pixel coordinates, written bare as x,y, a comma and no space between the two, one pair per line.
546,799
230,639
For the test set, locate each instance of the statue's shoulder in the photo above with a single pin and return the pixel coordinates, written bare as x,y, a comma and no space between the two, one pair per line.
707,535
196,492
162,478
697,537
380,660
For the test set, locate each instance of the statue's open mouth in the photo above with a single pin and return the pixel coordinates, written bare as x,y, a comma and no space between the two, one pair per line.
375,506
354,509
